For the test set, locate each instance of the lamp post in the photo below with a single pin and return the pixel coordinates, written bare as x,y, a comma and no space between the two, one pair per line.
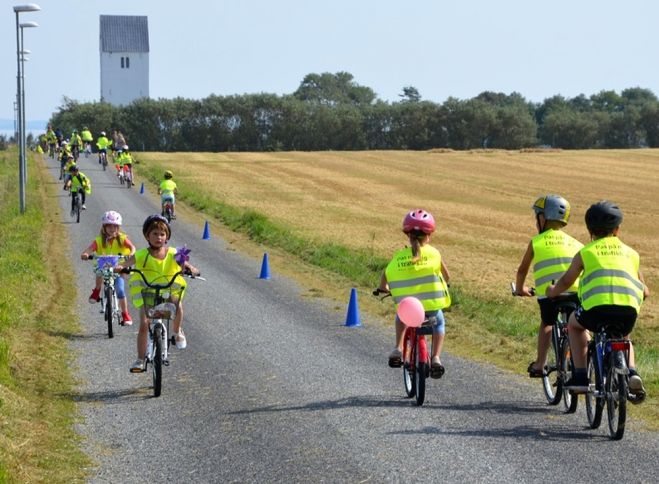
24,52
18,9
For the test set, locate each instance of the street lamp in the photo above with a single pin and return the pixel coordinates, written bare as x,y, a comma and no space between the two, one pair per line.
24,25
20,97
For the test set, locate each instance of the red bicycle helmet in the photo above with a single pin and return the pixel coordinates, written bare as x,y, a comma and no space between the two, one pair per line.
419,219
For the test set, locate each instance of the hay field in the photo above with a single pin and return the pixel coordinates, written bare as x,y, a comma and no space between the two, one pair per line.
481,199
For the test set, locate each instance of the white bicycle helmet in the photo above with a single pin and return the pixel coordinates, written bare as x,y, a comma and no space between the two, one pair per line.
111,218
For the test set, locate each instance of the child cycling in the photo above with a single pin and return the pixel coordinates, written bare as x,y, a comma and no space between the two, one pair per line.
80,183
127,161
87,138
158,264
102,143
611,291
419,271
550,252
111,241
167,192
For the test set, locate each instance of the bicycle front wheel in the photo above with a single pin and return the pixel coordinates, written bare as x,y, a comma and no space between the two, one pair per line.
616,398
570,401
408,365
109,311
551,381
156,367
594,401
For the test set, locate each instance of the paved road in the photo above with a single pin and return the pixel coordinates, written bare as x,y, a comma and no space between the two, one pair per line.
274,388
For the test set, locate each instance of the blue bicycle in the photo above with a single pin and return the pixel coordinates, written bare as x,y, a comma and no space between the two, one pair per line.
608,375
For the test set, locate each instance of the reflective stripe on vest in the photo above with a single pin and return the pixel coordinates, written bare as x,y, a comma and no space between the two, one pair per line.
610,275
422,279
553,251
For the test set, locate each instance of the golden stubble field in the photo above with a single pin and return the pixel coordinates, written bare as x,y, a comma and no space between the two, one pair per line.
480,199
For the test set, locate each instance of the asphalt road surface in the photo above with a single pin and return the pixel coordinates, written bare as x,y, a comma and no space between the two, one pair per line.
273,387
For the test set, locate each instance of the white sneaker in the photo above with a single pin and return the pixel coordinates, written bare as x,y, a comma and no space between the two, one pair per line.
84,207
138,366
636,384
181,342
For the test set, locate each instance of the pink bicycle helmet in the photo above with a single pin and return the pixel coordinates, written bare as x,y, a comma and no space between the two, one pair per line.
111,218
419,219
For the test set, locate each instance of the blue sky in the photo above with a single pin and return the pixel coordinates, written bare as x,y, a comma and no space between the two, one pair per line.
443,48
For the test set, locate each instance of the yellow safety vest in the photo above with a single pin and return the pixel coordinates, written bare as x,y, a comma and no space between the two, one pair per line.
156,271
116,247
610,275
553,251
422,279
167,187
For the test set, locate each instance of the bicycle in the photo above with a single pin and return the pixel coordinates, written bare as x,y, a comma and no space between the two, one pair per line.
109,303
76,205
416,358
608,376
103,159
558,369
167,211
75,151
128,175
160,304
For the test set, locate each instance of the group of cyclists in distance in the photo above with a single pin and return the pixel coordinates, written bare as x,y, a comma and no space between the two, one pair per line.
157,261
602,277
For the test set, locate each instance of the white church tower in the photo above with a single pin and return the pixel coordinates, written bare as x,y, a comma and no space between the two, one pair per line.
124,45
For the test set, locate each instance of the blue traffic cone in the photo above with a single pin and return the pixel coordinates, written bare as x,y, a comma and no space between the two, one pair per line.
207,232
265,268
142,188
352,319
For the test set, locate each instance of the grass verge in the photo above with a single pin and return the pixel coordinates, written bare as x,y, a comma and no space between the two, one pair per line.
37,412
498,331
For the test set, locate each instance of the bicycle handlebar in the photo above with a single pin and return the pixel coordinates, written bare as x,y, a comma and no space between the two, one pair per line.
128,270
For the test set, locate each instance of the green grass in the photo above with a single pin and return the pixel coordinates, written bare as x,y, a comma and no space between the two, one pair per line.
37,414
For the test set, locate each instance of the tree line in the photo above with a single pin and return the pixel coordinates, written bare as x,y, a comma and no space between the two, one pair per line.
332,112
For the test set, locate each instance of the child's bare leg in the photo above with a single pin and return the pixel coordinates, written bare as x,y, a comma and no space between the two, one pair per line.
142,335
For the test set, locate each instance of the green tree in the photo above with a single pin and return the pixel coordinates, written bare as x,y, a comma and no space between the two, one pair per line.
333,89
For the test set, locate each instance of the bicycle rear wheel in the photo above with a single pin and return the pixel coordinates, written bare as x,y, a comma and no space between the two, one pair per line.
551,381
616,398
570,401
156,367
422,371
408,365
594,402
109,311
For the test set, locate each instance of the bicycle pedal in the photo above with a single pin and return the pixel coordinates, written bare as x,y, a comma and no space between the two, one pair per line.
165,362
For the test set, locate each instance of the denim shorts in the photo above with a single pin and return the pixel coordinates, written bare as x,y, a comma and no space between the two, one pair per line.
439,326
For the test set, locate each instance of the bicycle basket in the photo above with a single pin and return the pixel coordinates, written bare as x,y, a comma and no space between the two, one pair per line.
107,261
152,297
162,311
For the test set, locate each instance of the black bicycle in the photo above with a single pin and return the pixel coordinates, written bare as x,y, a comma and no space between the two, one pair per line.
558,369
76,204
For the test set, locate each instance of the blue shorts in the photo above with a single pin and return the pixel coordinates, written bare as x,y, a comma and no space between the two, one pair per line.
167,197
439,326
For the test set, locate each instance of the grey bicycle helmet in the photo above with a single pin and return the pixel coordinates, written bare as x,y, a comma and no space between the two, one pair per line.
603,216
553,207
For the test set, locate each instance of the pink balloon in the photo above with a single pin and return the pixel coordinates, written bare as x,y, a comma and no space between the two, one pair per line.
411,312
